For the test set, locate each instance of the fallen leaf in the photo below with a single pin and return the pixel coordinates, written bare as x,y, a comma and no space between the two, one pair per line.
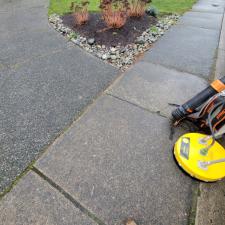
130,222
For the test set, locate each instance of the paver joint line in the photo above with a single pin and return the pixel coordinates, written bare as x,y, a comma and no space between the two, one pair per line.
124,100
69,197
35,201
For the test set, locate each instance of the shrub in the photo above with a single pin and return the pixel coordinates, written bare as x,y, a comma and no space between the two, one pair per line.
114,12
80,10
137,7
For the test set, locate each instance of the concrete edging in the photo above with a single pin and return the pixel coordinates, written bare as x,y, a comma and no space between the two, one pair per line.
220,60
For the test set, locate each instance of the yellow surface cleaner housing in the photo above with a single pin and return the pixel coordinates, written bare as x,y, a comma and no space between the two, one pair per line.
195,154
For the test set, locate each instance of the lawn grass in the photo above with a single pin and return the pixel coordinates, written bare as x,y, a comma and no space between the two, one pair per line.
164,6
63,6
173,6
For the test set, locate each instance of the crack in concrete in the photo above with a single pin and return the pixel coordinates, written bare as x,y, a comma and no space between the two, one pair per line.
171,126
136,105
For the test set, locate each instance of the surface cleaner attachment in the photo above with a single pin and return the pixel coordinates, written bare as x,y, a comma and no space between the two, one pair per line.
194,156
200,155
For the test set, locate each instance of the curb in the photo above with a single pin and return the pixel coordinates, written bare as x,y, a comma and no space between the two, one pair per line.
220,59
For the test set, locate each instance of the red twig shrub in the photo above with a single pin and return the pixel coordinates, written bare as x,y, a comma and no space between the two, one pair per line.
80,9
114,12
137,7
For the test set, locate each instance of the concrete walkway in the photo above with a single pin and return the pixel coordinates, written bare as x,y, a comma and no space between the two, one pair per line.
45,83
116,161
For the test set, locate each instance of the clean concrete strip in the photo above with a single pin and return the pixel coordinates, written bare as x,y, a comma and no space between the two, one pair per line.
191,46
34,201
202,20
211,6
187,49
117,161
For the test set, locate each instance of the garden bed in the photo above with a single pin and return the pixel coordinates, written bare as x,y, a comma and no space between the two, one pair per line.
120,52
132,36
96,28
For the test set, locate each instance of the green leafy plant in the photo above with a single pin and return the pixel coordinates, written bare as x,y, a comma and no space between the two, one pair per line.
137,7
154,29
114,12
80,10
72,35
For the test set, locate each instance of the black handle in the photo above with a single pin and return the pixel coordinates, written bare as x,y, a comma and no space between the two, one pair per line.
189,107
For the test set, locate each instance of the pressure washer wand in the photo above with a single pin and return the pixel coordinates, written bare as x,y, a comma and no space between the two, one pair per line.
190,106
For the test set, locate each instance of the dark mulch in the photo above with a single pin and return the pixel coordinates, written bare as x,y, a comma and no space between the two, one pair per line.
133,28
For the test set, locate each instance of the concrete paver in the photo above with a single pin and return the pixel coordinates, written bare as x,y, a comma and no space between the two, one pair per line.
187,49
34,201
211,204
120,165
202,20
212,6
153,87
